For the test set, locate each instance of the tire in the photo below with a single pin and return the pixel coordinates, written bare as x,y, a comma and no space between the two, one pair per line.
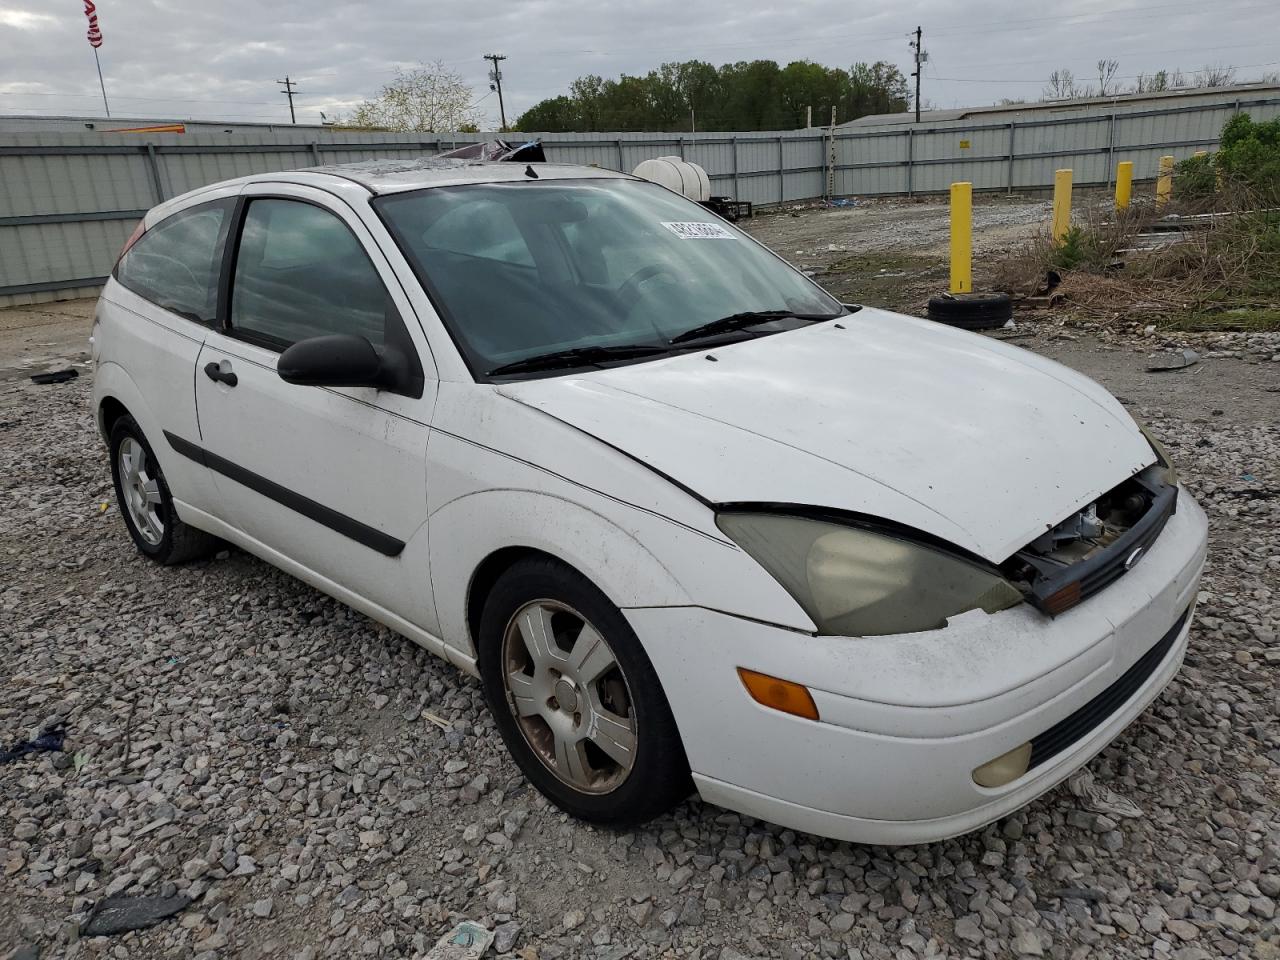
582,779
972,311
146,503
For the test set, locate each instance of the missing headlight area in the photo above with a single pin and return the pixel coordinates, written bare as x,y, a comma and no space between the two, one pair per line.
1094,546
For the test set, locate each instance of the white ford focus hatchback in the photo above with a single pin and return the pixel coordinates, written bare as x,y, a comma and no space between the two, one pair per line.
693,523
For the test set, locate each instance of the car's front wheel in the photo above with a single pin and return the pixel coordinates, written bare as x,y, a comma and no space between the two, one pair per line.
576,698
145,501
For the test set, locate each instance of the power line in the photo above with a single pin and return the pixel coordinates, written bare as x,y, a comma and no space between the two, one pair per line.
288,91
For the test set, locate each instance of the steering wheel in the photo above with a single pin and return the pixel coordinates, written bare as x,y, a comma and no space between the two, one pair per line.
629,292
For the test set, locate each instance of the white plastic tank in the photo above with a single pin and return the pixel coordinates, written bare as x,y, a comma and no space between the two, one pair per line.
678,175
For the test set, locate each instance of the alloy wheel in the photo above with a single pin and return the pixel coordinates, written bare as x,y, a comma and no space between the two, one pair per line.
140,485
569,696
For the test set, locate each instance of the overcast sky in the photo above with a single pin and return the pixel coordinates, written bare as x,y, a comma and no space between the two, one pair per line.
220,59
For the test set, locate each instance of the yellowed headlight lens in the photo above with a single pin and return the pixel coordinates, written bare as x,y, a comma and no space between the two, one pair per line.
1170,471
857,582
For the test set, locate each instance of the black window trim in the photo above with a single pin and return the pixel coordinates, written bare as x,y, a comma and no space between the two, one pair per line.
231,205
226,281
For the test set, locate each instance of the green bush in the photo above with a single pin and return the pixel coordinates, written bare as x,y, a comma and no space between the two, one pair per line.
1250,155
1195,178
1088,248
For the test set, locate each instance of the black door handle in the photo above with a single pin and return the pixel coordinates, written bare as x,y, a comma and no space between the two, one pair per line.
215,371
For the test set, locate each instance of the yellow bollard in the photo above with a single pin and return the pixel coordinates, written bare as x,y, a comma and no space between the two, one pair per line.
962,238
1061,204
1164,183
1124,184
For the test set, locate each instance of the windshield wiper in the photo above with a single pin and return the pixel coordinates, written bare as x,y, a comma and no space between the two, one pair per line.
577,357
748,318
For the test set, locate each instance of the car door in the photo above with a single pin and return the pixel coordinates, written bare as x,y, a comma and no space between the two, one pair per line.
156,313
332,479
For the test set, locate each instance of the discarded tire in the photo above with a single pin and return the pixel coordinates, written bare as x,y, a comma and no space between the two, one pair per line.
972,311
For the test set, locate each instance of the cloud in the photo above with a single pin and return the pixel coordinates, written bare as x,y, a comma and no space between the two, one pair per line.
25,19
170,59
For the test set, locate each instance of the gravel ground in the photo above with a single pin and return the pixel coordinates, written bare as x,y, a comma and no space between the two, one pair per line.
320,787
893,252
921,226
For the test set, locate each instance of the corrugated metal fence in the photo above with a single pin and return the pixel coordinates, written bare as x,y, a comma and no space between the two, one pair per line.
68,201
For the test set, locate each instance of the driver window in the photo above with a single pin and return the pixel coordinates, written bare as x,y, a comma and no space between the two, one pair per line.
300,273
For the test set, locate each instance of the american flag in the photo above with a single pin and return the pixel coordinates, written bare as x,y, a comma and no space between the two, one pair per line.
95,32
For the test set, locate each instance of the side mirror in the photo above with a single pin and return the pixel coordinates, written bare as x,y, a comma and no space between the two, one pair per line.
336,360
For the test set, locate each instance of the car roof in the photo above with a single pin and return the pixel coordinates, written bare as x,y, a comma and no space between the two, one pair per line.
397,176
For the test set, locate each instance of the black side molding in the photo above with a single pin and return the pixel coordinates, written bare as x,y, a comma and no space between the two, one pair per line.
362,533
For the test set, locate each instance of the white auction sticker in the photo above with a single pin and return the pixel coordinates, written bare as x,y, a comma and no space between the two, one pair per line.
692,230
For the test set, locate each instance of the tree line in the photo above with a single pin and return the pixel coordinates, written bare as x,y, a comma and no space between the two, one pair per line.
1065,85
695,95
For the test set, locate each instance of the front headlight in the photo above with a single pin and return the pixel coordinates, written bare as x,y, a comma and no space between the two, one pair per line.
857,583
1162,455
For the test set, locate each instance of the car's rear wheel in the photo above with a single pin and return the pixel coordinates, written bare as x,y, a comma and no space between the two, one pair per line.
145,501
576,699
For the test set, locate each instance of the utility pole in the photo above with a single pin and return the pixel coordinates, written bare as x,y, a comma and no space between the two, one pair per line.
495,83
289,90
921,57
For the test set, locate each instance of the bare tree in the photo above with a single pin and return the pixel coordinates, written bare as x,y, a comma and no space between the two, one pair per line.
430,99
1218,75
1159,81
1061,86
1106,76
1152,83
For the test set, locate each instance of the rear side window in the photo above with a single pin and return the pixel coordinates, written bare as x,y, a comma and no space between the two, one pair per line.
175,263
300,273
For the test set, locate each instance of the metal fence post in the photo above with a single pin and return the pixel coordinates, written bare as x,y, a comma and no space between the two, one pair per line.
826,169
1111,148
782,180
910,155
618,143
733,146
315,152
154,164
682,148
1009,175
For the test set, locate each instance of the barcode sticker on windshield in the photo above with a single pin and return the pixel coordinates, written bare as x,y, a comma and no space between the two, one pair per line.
690,230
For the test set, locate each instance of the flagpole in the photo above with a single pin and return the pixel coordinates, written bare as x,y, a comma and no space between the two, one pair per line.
101,84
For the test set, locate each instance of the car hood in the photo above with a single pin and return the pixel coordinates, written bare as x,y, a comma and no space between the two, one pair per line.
955,434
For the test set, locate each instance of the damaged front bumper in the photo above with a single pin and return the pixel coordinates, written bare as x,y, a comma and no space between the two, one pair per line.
906,720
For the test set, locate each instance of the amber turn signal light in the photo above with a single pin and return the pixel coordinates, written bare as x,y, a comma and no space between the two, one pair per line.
777,694
1063,600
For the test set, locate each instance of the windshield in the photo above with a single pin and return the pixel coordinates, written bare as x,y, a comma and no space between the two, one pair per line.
519,270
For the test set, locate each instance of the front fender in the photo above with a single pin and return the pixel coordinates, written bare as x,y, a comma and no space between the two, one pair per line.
467,530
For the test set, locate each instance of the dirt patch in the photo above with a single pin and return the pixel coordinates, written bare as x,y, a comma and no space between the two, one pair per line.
893,253
44,337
